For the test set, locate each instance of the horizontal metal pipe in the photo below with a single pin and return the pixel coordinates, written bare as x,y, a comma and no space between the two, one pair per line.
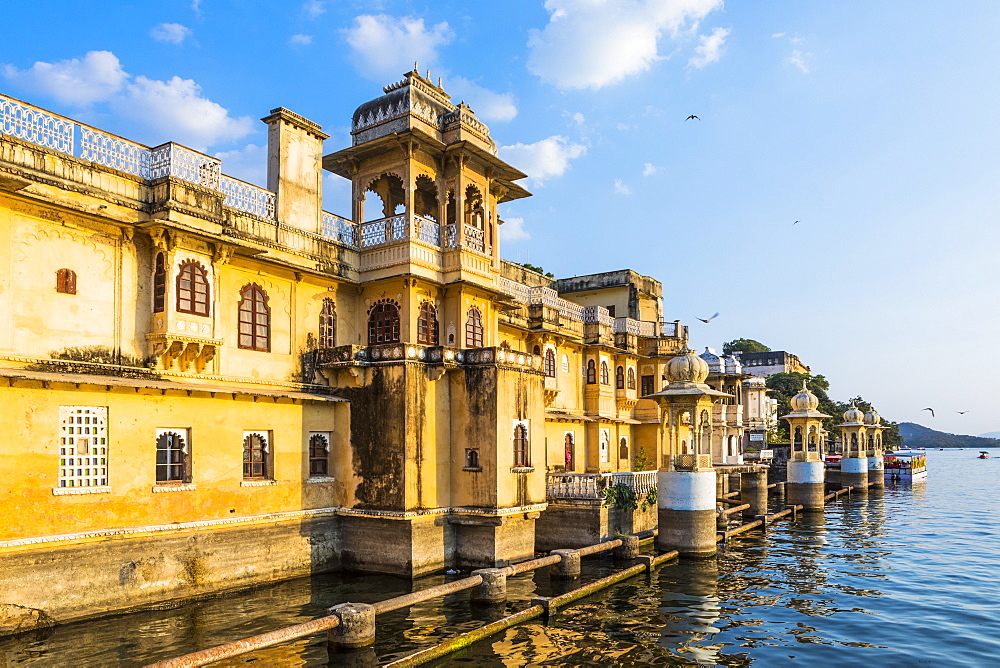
734,502
596,586
250,644
466,639
525,566
743,528
726,496
415,597
665,557
600,547
735,509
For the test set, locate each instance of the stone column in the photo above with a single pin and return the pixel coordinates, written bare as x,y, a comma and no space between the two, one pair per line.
569,567
876,473
493,589
854,473
686,505
805,485
753,490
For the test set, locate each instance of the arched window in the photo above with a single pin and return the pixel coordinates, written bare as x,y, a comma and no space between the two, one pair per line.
383,322
192,288
591,372
427,324
159,284
550,363
521,445
537,350
328,324
474,328
319,454
623,448
472,459
605,378
630,383
256,456
66,281
255,319
565,363
620,378
797,440
172,457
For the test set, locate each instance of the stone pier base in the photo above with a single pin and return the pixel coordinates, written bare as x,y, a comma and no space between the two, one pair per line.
687,512
806,485
854,473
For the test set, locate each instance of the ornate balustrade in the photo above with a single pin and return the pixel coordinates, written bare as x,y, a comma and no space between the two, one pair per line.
246,197
598,314
44,128
338,229
426,230
474,238
590,486
549,297
518,291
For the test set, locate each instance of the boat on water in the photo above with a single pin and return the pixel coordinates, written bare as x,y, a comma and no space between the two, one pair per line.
905,465
983,454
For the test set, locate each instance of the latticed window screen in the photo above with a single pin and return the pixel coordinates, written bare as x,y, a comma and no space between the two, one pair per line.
620,378
427,324
192,289
605,378
474,328
550,363
255,319
256,455
520,445
172,456
83,446
159,284
319,454
383,323
591,372
328,324
631,379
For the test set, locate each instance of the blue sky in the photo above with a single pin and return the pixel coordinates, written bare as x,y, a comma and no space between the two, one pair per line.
873,124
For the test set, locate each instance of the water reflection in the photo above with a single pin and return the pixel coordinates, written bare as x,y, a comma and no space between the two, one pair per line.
892,580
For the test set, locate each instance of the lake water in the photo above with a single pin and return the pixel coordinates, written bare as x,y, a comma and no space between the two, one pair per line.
912,578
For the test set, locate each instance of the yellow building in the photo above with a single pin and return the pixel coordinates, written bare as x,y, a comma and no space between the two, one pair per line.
213,384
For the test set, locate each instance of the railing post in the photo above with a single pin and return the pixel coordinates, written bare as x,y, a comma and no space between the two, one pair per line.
356,628
569,567
494,586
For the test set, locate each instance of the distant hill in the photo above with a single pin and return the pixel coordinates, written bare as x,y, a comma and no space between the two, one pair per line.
918,436
990,434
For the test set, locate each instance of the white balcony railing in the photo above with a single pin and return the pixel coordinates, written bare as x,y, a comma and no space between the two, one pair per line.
518,291
598,314
338,228
474,238
427,230
590,486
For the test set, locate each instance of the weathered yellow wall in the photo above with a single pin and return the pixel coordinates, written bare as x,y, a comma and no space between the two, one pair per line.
30,473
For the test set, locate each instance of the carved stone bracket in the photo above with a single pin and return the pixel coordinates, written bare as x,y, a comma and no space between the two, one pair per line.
184,353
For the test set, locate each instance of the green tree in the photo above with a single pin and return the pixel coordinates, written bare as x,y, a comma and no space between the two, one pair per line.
784,386
744,346
536,268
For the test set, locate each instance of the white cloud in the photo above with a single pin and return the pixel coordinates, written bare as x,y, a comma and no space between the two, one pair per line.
800,60
543,159
384,46
777,34
171,33
513,230
710,48
576,118
623,127
595,43
196,7
301,40
247,164
648,169
488,105
176,110
76,81
313,8
621,188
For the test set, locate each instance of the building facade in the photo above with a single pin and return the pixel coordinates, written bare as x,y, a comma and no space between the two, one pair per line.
212,384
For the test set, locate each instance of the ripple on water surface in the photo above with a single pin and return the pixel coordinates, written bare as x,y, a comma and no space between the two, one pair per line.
905,579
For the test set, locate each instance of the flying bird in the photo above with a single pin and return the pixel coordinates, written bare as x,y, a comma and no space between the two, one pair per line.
795,223
709,320
961,412
931,410
690,117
